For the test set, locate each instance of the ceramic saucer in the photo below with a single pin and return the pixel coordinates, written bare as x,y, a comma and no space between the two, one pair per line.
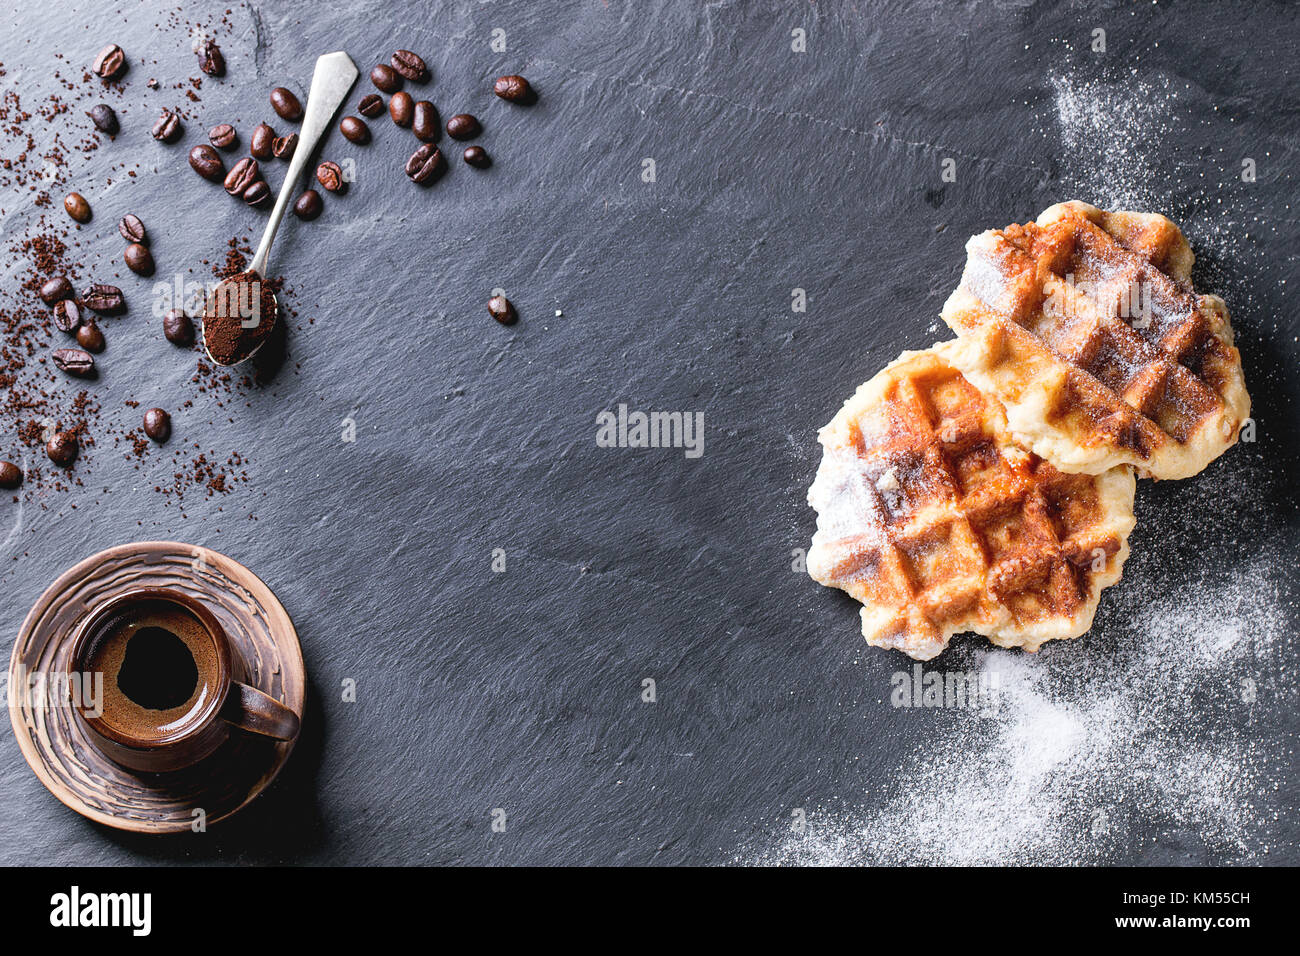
54,745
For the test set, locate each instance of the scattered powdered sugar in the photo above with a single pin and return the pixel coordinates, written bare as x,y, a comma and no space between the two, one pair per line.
1110,137
1096,748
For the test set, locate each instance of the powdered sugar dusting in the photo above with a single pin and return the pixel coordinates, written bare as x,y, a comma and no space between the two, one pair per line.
1092,749
1110,134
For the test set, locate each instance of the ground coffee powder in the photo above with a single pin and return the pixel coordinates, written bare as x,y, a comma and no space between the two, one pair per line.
238,317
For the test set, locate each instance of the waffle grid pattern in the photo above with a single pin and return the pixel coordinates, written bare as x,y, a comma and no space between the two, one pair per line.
965,531
1145,371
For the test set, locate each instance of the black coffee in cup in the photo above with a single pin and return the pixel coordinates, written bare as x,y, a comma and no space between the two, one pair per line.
158,665
172,685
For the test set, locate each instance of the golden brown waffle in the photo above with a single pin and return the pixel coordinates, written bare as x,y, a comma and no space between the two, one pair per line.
933,518
1085,326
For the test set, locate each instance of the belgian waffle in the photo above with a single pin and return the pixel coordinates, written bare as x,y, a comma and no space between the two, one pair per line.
1085,326
938,522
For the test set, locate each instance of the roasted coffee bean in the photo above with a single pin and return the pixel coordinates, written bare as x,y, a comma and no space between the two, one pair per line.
385,78
62,449
499,308
426,165
285,146
105,119
223,136
330,176
157,424
77,207
90,338
400,108
207,162
67,316
74,361
262,143
463,126
514,88
425,122
177,327
285,104
242,175
138,259
409,65
477,156
104,299
168,127
131,228
11,476
52,290
257,193
372,104
111,62
354,129
308,206
211,61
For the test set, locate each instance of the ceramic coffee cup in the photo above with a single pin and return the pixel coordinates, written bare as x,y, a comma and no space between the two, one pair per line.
163,686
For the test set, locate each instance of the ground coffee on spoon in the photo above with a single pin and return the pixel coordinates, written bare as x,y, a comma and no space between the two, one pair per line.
238,317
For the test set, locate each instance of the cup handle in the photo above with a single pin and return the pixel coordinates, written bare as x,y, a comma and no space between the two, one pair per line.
251,710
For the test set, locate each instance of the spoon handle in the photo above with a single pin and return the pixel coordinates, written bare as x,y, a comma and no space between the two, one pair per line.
334,76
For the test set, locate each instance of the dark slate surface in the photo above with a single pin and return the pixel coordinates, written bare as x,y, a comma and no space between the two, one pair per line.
775,170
